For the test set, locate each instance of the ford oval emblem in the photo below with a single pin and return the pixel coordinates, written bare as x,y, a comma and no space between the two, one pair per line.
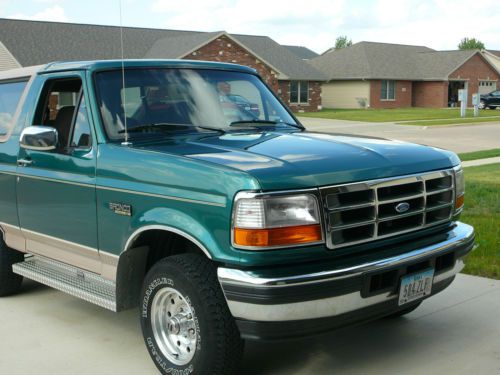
402,207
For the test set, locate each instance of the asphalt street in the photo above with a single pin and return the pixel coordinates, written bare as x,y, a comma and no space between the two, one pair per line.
457,138
46,332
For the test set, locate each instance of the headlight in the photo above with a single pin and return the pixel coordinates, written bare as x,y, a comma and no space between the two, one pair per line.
275,221
459,188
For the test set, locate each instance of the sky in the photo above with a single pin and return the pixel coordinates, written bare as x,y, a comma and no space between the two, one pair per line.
439,24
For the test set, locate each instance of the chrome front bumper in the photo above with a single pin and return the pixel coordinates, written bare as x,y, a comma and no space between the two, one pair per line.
337,292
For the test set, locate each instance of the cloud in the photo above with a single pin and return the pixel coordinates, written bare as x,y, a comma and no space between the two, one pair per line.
258,17
439,24
53,13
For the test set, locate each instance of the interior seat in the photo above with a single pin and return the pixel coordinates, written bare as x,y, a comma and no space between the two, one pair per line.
62,123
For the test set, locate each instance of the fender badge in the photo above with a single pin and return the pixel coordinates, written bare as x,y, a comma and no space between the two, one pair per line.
402,207
120,208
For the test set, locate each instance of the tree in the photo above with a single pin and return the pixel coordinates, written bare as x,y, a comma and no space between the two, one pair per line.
342,42
470,43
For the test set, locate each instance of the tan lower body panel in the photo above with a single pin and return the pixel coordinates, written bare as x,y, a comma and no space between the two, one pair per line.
68,252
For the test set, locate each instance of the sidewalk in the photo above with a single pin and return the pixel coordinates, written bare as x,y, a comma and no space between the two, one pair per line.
457,138
474,163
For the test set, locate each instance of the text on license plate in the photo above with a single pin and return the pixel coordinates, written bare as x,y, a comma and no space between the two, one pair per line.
415,286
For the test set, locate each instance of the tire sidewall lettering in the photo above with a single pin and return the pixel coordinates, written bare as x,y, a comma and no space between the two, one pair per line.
166,366
153,287
150,291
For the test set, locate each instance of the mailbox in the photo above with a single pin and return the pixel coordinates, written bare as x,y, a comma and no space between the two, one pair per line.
476,99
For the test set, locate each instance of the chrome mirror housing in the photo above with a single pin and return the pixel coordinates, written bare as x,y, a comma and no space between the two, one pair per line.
40,138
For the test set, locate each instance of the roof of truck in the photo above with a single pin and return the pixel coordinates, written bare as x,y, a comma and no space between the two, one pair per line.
94,65
111,64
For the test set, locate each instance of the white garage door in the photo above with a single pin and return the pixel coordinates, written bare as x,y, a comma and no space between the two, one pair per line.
486,87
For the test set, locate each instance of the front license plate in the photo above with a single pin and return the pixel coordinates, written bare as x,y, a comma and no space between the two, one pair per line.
415,286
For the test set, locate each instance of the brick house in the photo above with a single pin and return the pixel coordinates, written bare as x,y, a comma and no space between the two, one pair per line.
382,75
26,43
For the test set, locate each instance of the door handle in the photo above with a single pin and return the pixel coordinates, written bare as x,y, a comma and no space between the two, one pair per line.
24,162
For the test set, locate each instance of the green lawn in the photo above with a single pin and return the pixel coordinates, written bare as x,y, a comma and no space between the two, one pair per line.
466,156
482,210
394,115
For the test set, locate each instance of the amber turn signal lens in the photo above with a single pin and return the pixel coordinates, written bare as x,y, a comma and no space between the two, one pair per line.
459,202
277,236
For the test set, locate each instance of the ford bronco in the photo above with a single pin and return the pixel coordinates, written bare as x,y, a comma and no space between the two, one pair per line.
147,184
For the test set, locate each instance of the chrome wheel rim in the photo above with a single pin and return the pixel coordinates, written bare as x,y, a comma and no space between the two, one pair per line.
173,325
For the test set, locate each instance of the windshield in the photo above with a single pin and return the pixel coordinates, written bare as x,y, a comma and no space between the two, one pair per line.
159,100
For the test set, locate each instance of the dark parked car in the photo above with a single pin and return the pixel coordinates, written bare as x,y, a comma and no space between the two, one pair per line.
491,100
245,104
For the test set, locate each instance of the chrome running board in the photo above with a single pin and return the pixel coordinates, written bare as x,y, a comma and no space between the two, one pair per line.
71,280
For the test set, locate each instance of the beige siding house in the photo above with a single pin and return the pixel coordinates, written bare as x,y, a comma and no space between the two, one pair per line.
383,75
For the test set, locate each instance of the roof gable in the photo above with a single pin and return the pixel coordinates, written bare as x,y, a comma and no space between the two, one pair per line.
279,57
438,65
175,47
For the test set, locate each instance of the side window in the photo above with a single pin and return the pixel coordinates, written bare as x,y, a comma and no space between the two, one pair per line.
299,92
387,90
81,131
10,93
56,108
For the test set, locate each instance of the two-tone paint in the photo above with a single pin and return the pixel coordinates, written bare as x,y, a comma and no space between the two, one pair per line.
59,205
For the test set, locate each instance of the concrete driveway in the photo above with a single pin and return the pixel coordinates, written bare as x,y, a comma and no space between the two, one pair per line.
458,138
456,332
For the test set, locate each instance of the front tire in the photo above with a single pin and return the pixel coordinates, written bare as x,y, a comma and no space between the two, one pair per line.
186,323
10,283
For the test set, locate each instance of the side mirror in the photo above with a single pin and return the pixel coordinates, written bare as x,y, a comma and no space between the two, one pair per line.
40,138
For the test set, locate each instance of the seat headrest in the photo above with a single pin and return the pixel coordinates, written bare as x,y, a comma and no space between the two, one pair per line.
64,116
63,124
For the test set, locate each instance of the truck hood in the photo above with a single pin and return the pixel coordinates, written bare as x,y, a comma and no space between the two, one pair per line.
282,160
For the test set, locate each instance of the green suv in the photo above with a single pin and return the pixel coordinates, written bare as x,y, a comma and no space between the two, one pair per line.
145,184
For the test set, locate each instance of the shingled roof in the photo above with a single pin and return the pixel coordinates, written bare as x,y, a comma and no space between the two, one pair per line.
39,42
280,57
438,65
302,52
369,60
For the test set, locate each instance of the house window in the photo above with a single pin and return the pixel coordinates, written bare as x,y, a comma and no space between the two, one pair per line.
388,90
299,92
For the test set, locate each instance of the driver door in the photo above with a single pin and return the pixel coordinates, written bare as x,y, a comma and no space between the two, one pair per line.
56,189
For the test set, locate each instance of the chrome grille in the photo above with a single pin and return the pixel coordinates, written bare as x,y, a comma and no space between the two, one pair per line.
370,210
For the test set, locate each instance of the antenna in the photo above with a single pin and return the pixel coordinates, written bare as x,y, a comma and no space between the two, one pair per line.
125,142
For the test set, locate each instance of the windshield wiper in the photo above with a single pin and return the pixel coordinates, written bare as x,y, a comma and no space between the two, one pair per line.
167,126
257,121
